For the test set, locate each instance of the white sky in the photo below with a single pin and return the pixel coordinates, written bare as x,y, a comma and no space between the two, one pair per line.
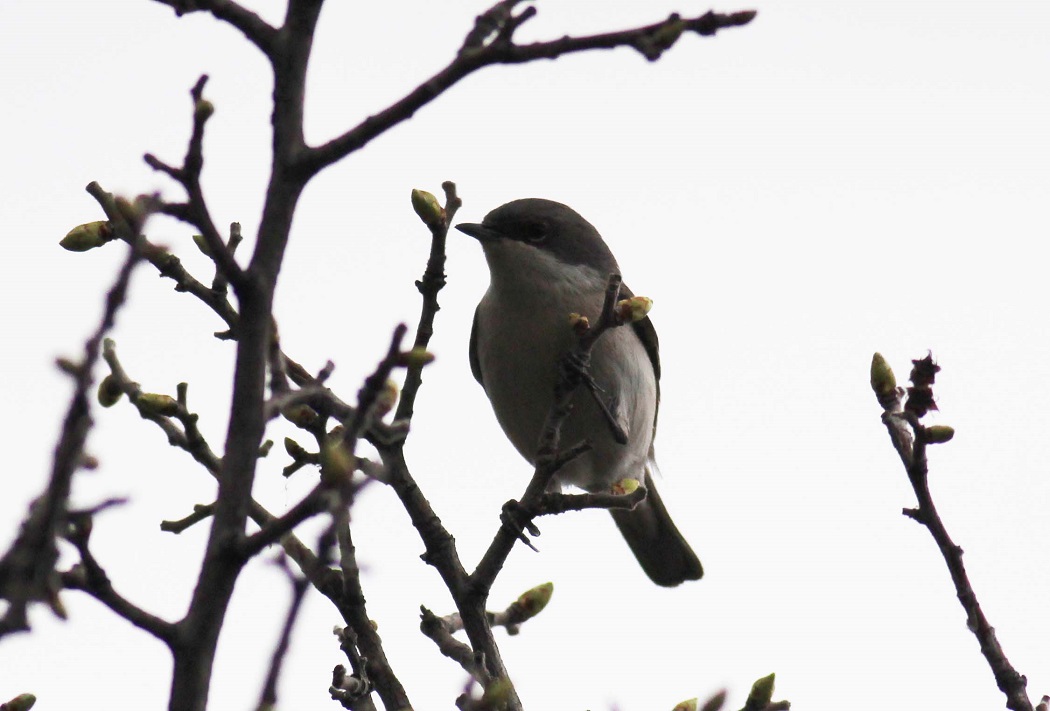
835,179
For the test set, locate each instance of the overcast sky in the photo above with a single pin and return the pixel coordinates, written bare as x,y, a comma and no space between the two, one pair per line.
835,179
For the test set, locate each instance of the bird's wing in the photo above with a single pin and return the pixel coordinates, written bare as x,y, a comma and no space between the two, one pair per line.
646,333
475,363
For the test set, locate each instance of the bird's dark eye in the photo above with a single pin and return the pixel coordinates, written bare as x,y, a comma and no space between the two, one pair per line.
533,232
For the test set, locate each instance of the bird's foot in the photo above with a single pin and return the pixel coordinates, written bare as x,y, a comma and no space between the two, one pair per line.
518,521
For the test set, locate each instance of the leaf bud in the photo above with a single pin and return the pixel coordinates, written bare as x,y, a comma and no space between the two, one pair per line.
337,464
87,236
579,323
302,415
634,309
387,398
761,693
415,358
687,705
534,600
883,381
109,391
202,245
938,434
157,404
203,109
428,208
625,486
22,702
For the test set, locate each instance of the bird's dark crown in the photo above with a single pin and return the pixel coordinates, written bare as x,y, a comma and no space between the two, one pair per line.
554,228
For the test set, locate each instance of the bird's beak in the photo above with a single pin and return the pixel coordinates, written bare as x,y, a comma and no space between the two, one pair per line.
479,232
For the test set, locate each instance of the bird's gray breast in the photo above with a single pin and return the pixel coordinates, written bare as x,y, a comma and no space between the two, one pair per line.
522,335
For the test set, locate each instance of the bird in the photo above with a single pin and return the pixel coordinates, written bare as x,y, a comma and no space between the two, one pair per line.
546,262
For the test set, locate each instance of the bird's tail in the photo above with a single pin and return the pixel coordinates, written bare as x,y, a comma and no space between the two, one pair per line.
656,542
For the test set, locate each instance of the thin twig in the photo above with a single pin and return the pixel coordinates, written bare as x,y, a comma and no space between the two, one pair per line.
651,41
910,438
268,698
27,570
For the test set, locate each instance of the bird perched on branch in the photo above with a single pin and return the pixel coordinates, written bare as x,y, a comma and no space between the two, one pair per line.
546,262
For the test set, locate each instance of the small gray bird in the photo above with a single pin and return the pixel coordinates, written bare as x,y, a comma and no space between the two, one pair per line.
545,262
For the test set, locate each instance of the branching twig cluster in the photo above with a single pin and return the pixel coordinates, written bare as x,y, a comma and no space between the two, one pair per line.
267,384
902,415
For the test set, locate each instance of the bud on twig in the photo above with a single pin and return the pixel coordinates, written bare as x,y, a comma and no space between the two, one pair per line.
415,358
761,693
579,324
203,109
87,236
157,404
300,415
387,398
337,465
109,391
533,601
938,434
22,702
687,705
202,245
625,486
633,309
428,208
883,382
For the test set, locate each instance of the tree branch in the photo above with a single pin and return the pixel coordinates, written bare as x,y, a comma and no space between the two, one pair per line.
651,41
253,27
910,438
27,570
88,575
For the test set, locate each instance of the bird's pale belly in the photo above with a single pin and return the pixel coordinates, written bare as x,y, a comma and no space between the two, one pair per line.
519,375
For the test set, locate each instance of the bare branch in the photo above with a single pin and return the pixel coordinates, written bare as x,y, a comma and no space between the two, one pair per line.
89,576
27,570
195,210
429,286
651,41
253,27
268,698
910,438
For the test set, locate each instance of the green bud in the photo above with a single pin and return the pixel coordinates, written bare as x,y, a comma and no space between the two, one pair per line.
87,236
301,415
579,323
294,449
203,109
761,693
533,601
22,702
716,702
157,404
883,381
938,434
687,705
109,391
265,448
202,245
625,486
496,694
387,398
428,208
337,464
415,358
634,309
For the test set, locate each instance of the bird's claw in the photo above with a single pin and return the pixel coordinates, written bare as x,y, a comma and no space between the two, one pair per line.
518,521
